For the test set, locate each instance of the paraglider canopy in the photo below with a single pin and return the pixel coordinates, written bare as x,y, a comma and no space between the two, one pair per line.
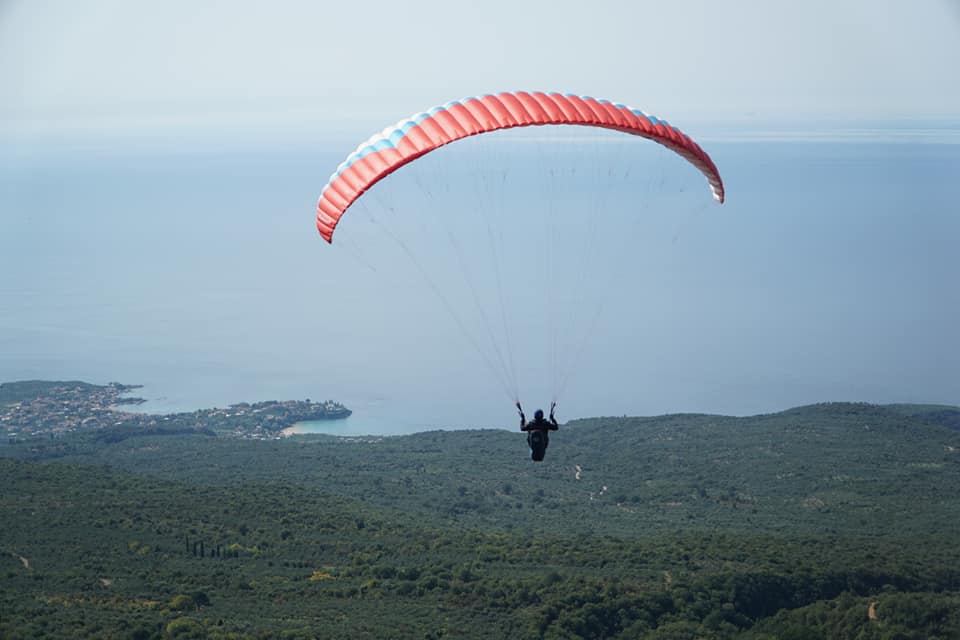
420,134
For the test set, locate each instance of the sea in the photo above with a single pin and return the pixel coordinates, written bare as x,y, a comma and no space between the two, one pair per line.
607,282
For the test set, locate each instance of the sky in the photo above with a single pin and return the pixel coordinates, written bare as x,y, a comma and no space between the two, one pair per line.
111,64
804,281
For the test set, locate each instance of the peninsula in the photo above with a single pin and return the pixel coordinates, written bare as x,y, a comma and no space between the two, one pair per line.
37,409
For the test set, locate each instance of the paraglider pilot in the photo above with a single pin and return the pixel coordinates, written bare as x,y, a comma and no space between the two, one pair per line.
537,431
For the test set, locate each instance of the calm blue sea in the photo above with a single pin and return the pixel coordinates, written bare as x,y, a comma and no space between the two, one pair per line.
830,274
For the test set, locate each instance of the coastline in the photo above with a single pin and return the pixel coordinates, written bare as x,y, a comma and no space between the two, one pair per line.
36,409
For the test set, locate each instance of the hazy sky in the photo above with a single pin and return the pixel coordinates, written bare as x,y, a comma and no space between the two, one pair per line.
69,64
828,274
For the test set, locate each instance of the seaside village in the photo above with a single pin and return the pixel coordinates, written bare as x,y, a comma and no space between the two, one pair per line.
33,410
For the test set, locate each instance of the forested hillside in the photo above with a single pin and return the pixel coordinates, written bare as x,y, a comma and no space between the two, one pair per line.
827,521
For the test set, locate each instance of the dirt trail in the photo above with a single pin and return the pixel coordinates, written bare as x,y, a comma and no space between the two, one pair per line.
24,561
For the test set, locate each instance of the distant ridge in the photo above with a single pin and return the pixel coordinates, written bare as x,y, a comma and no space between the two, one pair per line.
26,389
941,414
